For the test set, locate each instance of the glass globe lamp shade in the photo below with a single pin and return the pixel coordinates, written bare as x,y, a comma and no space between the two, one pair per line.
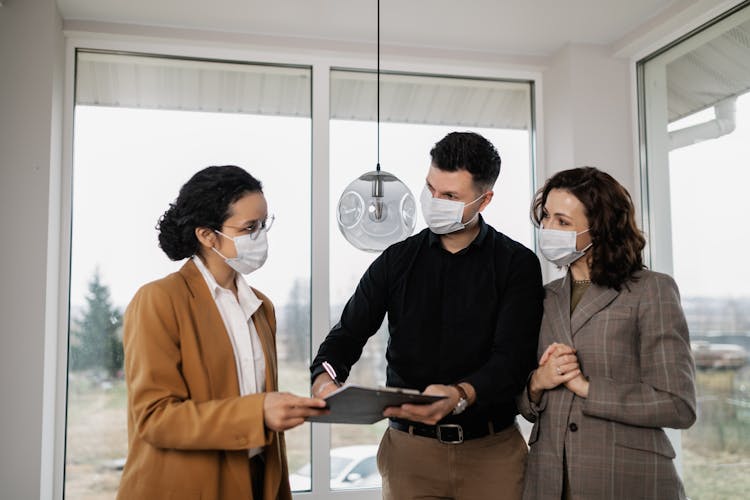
375,211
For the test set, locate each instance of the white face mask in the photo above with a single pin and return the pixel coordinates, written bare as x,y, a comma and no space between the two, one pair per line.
251,253
559,247
444,216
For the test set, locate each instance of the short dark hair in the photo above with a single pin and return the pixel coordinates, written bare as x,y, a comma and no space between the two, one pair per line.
471,152
617,241
203,201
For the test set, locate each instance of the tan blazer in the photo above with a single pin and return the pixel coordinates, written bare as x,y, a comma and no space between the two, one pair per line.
188,428
634,347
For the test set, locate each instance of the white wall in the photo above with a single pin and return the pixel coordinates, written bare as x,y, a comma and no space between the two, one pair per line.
587,113
31,56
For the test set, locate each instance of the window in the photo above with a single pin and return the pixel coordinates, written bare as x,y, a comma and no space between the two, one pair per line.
696,138
143,126
416,112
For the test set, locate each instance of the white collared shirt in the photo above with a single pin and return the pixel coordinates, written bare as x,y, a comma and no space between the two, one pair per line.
237,315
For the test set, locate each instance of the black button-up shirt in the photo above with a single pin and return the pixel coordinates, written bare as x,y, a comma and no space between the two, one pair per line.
472,316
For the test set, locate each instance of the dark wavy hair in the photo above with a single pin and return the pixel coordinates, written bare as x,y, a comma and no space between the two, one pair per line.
616,254
203,201
471,152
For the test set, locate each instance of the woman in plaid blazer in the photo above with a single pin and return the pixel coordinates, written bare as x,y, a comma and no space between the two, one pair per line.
615,365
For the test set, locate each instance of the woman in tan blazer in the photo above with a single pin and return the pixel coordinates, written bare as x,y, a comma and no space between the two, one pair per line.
204,420
615,364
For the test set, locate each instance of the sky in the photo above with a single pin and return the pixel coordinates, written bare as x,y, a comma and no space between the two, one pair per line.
709,184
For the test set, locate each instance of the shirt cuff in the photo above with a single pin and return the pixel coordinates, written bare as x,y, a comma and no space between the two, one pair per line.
315,371
528,408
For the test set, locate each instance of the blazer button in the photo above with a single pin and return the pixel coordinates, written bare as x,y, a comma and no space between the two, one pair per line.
573,427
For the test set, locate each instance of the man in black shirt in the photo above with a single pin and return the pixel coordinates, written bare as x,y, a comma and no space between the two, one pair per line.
464,304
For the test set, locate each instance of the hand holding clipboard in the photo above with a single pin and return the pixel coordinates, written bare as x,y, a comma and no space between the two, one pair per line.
356,404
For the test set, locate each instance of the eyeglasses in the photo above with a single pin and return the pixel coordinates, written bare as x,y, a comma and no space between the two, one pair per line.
255,227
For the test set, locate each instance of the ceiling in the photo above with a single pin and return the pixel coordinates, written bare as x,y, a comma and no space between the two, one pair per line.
698,79
529,27
153,82
712,72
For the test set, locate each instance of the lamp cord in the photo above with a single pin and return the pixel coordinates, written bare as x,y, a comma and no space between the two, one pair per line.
378,90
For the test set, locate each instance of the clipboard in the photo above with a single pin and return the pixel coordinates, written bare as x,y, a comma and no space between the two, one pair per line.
356,404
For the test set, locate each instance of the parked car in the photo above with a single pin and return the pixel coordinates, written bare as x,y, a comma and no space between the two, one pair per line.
708,355
351,467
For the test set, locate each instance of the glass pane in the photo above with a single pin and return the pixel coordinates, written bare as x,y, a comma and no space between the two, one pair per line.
129,165
716,298
697,114
404,152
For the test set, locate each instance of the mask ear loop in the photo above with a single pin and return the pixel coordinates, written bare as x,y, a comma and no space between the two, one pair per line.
227,237
480,197
220,254
476,214
591,243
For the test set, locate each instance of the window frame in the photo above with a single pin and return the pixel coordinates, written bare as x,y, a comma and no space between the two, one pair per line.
653,149
268,51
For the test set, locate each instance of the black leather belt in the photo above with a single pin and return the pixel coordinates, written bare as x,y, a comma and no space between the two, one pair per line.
450,433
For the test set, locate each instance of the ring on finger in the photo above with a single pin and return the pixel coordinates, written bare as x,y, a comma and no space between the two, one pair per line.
558,370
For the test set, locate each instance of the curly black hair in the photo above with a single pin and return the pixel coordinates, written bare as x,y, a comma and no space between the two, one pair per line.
471,152
203,201
617,241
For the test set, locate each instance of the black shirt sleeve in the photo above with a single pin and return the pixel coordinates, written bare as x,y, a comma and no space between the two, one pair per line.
360,320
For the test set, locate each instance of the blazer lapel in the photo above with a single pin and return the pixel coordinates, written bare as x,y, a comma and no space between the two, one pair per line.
216,348
594,300
218,356
560,310
263,327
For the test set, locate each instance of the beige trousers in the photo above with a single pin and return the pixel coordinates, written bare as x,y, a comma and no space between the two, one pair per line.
488,468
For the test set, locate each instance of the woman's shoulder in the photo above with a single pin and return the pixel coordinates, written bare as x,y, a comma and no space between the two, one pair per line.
652,286
166,286
171,280
647,278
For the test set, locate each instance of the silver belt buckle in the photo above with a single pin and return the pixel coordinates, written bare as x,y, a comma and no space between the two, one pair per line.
459,433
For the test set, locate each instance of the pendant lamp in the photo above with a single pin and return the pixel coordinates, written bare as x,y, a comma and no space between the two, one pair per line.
376,209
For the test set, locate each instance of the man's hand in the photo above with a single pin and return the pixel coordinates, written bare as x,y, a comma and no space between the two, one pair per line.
282,410
428,414
323,386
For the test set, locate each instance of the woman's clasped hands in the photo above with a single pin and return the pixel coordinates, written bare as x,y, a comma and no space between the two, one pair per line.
558,365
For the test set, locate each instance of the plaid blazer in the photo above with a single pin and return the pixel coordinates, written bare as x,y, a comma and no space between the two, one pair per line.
634,347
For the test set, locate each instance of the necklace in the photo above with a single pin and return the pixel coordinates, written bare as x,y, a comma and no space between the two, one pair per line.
582,282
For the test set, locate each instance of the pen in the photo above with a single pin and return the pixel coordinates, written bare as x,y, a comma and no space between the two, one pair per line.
330,371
